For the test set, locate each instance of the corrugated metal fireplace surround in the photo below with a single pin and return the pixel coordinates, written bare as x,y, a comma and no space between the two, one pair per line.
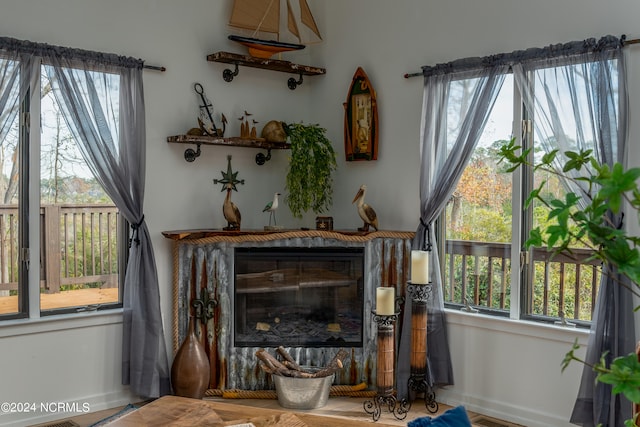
241,312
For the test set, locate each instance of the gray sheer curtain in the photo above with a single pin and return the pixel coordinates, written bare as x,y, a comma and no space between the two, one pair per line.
9,95
16,78
111,136
446,146
116,154
577,93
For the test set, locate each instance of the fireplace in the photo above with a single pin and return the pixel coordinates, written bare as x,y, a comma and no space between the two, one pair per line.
298,297
328,273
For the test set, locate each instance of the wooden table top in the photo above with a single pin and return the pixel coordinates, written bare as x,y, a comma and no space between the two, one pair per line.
184,412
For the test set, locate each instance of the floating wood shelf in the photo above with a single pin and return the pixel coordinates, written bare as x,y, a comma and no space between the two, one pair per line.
190,155
266,64
233,141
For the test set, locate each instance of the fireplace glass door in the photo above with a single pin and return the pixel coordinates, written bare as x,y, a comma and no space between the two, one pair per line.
298,297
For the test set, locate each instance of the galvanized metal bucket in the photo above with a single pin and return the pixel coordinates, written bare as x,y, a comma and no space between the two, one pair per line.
302,393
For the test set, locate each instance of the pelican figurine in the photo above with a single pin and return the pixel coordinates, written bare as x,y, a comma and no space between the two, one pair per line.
231,212
271,207
365,211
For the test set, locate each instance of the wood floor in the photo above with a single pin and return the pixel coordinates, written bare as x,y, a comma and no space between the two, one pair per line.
80,297
342,407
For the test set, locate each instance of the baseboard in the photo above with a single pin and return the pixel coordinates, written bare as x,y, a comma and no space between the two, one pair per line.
85,404
529,417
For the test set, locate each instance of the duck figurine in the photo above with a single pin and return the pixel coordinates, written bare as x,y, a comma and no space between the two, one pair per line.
231,212
365,211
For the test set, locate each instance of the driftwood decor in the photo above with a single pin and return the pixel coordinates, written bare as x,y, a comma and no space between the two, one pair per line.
289,368
361,119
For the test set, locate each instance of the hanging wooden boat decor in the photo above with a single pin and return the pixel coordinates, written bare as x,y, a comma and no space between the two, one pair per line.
361,119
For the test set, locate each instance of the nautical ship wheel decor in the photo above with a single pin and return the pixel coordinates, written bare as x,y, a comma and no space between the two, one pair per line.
361,119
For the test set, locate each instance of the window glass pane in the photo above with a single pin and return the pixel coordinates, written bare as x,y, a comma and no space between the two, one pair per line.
79,236
9,182
478,216
562,285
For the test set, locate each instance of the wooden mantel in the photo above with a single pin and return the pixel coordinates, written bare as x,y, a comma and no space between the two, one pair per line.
218,235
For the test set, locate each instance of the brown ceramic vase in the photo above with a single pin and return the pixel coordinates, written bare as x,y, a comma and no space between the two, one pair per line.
190,369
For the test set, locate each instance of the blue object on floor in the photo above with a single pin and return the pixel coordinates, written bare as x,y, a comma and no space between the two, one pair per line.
454,417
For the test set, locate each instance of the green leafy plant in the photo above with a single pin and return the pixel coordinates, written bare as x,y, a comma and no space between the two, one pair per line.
608,188
309,180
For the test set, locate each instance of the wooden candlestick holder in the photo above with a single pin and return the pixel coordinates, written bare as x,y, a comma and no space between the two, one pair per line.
418,383
385,377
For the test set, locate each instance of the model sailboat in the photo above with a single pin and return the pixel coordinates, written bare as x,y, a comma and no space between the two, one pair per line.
263,16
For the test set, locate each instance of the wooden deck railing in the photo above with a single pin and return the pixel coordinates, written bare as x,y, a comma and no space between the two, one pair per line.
563,285
78,246
486,274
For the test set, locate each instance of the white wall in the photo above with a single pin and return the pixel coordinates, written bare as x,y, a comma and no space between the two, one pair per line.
501,368
75,362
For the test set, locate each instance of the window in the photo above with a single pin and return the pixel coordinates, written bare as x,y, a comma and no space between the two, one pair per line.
485,224
75,227
477,262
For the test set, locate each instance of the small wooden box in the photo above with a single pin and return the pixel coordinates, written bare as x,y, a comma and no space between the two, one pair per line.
324,223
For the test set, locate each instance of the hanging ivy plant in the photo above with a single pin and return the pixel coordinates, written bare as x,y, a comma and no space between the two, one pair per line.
309,182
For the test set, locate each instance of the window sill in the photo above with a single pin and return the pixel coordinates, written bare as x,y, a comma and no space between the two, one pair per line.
518,327
20,327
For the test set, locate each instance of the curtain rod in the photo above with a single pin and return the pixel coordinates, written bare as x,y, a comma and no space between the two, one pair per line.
624,43
155,68
40,48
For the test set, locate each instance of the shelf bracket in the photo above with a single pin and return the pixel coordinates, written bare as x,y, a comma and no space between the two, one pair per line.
190,154
293,83
261,159
228,75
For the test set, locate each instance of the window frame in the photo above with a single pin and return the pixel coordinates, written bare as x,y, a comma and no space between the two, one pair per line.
29,234
522,264
441,226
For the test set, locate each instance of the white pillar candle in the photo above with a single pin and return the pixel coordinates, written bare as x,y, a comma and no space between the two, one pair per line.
385,301
420,267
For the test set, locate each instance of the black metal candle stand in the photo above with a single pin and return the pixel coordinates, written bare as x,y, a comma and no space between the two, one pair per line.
418,384
420,294
399,408
386,396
